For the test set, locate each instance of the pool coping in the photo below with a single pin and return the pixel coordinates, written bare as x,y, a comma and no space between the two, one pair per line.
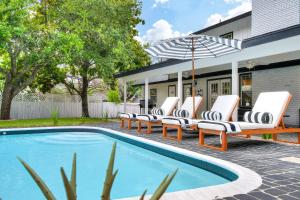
247,180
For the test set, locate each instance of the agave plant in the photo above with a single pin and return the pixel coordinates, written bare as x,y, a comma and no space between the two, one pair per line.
70,185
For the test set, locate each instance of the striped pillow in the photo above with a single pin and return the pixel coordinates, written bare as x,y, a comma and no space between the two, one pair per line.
157,111
211,115
180,113
258,117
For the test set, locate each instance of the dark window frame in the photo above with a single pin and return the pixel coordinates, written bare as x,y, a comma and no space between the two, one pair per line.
228,35
169,90
240,89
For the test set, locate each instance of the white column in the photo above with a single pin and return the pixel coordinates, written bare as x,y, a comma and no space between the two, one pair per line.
179,89
125,96
235,84
146,94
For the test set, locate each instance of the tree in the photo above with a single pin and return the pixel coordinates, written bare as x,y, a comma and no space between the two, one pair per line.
28,43
106,30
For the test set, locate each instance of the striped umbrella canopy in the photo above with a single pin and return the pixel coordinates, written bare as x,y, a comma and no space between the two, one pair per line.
193,47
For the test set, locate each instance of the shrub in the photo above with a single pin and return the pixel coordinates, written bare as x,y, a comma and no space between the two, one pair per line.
55,117
113,96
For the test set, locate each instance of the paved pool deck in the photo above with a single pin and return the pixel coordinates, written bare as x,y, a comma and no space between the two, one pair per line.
281,179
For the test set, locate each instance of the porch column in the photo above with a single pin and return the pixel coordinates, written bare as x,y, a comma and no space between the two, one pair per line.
146,94
125,95
179,89
235,84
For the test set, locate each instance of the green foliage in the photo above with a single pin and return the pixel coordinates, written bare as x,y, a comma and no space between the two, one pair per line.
113,96
55,117
267,136
30,45
70,186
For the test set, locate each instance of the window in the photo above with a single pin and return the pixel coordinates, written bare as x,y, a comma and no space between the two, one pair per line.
227,35
246,90
153,95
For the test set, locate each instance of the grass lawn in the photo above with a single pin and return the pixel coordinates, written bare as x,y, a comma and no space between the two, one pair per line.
49,122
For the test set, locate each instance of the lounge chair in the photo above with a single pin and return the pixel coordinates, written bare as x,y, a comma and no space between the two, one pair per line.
157,114
224,105
129,117
266,118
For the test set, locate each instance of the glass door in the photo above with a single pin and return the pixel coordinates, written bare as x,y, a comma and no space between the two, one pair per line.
216,88
213,92
187,90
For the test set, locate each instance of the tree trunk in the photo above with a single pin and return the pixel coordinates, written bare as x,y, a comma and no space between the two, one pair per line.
84,97
7,97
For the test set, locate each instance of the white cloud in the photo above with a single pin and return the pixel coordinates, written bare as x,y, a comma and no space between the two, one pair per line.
244,6
160,30
159,2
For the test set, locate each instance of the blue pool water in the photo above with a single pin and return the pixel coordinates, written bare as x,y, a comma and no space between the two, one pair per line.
139,169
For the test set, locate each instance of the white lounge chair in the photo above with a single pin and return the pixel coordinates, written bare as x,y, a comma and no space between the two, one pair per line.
224,105
266,118
157,114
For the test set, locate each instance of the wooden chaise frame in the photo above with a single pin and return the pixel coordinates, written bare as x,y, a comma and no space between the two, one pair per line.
149,125
178,127
279,128
129,122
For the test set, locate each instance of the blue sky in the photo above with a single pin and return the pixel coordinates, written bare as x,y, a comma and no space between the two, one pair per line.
172,18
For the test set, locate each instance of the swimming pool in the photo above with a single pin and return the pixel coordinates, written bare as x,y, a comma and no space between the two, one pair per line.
141,165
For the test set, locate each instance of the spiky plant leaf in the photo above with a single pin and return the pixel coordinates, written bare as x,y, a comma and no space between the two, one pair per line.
163,186
68,188
43,187
73,175
143,195
110,176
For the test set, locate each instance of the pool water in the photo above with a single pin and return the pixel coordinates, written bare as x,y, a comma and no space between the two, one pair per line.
139,169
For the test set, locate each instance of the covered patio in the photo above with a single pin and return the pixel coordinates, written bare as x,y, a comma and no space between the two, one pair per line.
260,51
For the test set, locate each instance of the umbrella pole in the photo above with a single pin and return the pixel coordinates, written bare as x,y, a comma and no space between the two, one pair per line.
193,77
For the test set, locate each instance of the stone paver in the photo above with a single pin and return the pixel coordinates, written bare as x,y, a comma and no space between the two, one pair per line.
281,179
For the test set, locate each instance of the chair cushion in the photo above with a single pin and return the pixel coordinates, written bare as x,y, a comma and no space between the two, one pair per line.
157,111
225,104
274,103
242,126
169,105
152,118
188,105
228,127
258,117
180,113
183,122
211,115
128,115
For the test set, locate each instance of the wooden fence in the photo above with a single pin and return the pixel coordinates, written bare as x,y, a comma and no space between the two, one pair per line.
32,106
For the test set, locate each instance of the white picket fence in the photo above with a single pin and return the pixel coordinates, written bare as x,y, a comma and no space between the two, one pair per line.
33,106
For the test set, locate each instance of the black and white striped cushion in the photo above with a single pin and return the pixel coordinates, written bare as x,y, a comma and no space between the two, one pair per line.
180,113
258,117
211,115
157,111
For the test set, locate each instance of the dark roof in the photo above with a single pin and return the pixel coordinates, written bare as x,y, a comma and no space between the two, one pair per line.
150,67
271,36
224,22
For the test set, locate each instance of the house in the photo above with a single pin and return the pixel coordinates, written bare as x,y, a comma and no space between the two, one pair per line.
269,61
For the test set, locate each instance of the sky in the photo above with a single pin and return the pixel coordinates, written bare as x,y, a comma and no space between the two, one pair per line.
172,18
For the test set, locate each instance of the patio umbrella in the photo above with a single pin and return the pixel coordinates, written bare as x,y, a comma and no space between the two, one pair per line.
193,47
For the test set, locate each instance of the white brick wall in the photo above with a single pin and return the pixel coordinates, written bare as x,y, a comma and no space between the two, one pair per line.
282,79
271,15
